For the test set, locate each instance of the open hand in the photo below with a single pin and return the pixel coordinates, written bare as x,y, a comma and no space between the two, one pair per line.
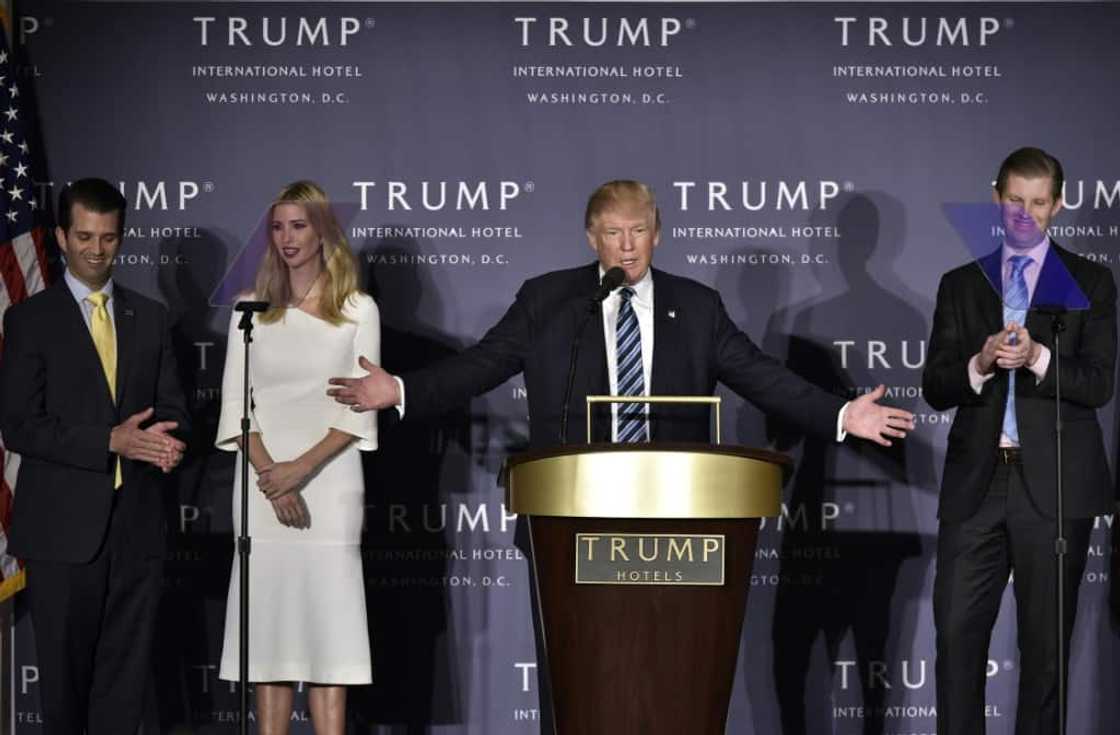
867,419
375,391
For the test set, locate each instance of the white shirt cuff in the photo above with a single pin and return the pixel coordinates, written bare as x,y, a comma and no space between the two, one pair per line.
841,435
975,379
1041,364
400,406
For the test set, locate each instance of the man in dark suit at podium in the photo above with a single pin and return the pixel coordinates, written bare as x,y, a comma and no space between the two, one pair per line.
657,334
87,367
990,358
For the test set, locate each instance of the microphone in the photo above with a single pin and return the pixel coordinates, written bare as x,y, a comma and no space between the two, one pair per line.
612,279
252,307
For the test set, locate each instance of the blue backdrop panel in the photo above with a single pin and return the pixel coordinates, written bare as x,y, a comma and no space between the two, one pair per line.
802,154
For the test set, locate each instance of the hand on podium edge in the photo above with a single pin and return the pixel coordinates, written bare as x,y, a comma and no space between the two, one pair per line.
867,419
377,390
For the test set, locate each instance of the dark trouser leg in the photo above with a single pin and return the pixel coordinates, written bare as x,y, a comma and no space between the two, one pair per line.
66,600
122,661
1035,585
973,562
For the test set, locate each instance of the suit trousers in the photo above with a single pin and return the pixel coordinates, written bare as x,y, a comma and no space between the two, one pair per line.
974,557
94,624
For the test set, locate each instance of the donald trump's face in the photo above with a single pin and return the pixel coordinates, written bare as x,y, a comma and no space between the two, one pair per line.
625,236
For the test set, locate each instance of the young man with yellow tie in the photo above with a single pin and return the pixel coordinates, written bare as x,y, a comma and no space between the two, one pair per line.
89,394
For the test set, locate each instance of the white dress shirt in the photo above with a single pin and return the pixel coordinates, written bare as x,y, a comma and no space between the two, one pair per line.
80,291
642,303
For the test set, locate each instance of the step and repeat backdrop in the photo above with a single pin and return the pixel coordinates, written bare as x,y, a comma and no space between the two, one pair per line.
802,155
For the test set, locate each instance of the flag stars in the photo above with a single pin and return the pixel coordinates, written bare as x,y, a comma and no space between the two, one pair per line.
21,170
13,90
11,216
12,113
7,136
23,147
16,193
3,57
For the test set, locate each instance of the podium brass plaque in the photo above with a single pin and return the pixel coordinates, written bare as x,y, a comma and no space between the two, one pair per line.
649,558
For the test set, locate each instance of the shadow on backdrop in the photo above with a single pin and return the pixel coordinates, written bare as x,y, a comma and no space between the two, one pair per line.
405,548
200,540
852,525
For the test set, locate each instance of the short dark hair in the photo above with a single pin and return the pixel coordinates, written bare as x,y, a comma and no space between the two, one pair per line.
1031,163
615,193
96,195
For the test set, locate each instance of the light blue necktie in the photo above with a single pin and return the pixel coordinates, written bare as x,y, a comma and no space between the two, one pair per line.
631,380
1016,299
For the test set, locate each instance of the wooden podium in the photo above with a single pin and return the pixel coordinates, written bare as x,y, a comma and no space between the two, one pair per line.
642,557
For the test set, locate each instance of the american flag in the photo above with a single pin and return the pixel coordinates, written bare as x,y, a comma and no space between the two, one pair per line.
23,266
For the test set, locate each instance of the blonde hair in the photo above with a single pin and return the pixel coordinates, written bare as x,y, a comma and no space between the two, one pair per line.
340,270
621,192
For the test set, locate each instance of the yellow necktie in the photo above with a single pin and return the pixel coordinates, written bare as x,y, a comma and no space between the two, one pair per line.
105,342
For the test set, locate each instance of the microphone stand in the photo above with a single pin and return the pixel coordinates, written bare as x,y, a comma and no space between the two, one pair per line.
572,361
1060,549
243,541
611,280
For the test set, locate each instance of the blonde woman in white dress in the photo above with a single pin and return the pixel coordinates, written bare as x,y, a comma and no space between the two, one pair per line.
307,612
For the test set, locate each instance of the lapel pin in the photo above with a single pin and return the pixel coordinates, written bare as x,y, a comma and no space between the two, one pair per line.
672,313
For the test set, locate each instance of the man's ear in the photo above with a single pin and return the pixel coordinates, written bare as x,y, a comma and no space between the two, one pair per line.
1058,204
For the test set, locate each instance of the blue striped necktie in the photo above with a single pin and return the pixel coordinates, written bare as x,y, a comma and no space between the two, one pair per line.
1016,299
631,380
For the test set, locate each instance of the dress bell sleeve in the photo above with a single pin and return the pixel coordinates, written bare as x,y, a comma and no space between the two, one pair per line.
367,343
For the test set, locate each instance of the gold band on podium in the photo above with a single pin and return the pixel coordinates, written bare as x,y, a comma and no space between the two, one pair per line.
646,481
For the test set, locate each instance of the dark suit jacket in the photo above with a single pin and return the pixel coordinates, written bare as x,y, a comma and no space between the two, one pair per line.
56,412
968,311
695,345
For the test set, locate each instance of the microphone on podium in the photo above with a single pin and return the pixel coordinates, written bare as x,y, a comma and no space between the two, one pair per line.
612,279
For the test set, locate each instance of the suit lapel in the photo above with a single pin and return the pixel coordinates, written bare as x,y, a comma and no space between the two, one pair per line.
989,293
124,318
75,334
1056,289
1056,285
591,373
666,341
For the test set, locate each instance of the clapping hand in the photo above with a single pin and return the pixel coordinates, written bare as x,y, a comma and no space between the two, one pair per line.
153,445
1018,349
